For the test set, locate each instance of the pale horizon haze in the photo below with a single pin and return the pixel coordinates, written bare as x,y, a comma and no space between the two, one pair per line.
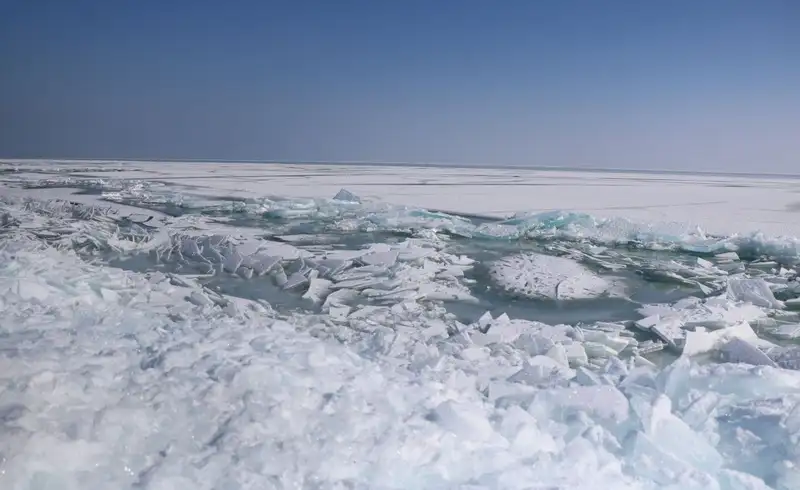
708,85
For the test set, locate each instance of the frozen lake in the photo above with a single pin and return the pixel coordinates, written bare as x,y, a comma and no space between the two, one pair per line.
226,326
724,204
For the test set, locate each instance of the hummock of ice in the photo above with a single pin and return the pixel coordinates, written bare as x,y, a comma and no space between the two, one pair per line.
113,378
546,276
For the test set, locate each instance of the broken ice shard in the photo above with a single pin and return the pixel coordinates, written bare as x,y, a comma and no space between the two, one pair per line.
347,196
754,290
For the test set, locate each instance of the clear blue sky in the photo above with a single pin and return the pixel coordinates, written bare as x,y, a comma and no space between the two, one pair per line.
680,84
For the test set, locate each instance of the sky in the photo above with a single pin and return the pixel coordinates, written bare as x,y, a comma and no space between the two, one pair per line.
680,85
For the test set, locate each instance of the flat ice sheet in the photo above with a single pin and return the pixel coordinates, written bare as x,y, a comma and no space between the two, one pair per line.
720,204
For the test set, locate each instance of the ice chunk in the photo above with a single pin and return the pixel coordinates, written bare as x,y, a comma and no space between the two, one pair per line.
640,361
284,251
232,261
792,304
339,312
603,402
548,277
190,248
652,462
615,342
576,354
736,480
615,366
485,321
596,349
436,328
248,247
727,257
317,290
586,377
701,341
475,353
362,282
650,346
786,357
504,331
439,292
706,264
766,265
668,328
379,248
527,440
343,255
556,333
347,196
787,332
507,394
716,313
534,344
738,350
200,299
753,290
108,295
386,259
339,297
648,322
670,331
260,263
297,279
541,369
668,451
609,327
412,253
464,420
558,354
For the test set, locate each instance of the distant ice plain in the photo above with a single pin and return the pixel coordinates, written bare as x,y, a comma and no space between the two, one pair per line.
718,204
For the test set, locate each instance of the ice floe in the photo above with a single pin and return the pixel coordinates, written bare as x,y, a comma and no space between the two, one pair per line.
545,276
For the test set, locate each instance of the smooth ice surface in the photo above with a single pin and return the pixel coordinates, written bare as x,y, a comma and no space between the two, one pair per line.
220,327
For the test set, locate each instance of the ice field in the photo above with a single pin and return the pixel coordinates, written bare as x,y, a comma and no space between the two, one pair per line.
264,326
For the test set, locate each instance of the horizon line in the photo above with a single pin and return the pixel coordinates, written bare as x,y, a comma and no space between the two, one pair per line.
390,163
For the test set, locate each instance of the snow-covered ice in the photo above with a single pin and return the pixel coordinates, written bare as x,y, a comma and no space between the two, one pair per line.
249,333
546,276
